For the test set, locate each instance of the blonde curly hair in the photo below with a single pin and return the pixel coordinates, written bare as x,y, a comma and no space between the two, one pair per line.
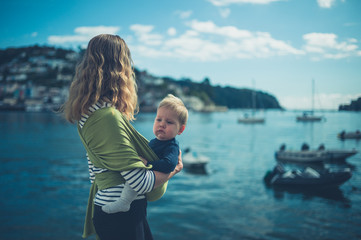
105,74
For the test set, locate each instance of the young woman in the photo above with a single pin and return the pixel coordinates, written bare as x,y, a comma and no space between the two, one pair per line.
102,100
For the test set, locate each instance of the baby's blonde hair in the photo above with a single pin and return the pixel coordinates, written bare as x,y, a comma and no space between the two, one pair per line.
104,74
176,105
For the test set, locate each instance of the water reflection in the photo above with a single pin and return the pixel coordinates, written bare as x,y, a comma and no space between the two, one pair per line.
196,171
332,193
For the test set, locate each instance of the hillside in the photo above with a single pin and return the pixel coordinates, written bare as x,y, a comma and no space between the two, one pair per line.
355,105
30,73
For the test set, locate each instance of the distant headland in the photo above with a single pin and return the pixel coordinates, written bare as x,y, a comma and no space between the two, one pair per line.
355,105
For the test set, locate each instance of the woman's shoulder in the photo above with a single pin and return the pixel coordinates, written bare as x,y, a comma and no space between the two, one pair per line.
107,114
106,123
103,119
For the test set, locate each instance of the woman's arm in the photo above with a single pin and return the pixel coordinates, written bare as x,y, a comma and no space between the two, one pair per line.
143,181
161,178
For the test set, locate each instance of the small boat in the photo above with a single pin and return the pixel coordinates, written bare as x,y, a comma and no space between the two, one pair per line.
305,155
308,117
307,178
194,162
349,135
253,119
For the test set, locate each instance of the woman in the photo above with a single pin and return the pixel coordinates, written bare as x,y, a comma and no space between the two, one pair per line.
102,100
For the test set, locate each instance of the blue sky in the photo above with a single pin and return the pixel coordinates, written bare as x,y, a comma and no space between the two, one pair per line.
277,46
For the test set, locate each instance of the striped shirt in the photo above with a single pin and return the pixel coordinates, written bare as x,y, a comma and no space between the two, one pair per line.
140,180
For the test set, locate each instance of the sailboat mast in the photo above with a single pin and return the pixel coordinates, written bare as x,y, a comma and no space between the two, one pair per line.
253,98
313,95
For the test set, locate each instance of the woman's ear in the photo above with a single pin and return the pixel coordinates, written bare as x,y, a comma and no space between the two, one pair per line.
181,129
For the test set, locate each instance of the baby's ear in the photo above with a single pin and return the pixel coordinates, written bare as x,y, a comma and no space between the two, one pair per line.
181,129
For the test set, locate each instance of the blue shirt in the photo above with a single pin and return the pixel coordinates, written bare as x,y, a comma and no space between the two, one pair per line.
167,152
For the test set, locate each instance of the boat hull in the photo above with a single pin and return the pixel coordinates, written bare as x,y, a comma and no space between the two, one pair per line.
315,156
308,118
194,162
350,135
308,178
251,120
325,179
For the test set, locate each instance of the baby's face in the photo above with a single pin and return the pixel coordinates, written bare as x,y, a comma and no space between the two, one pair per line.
166,125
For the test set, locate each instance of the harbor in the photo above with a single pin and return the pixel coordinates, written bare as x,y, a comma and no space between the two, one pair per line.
45,176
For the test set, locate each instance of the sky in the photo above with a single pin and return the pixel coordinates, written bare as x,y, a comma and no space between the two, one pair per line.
280,47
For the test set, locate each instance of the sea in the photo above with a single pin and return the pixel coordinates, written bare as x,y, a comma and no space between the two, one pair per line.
45,185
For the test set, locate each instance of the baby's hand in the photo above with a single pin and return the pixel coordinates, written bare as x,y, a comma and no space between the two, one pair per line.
144,161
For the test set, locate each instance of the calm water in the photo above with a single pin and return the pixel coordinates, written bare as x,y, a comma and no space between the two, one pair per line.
44,180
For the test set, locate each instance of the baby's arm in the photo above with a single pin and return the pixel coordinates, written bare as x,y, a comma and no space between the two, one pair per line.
168,161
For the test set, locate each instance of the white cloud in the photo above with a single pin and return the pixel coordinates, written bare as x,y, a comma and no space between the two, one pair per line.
141,29
172,31
67,39
205,41
322,101
190,46
83,35
143,32
326,3
227,31
225,12
325,45
34,34
229,2
184,14
93,31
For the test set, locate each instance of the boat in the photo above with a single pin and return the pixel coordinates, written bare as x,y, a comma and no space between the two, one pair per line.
306,178
320,155
309,116
252,119
194,162
349,135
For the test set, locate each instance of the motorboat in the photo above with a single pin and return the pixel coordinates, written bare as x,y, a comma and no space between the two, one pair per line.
305,155
349,135
194,162
306,178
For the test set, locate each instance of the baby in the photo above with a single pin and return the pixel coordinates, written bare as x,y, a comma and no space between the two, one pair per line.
170,121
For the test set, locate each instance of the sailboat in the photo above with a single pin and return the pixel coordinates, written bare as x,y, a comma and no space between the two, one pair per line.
309,116
252,119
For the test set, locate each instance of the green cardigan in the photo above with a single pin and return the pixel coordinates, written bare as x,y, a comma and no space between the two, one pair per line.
112,143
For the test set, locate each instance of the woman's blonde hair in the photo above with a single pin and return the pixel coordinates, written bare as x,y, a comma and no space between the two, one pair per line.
175,104
104,74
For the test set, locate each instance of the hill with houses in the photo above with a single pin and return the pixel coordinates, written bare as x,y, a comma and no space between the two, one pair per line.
37,78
